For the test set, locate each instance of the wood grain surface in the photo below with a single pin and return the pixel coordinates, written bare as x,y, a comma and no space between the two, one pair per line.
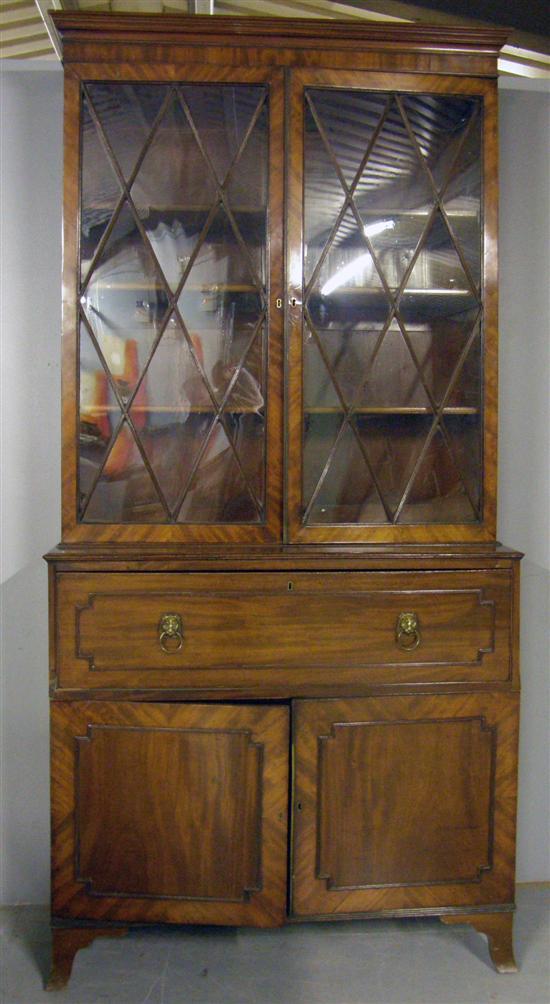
167,812
404,802
282,631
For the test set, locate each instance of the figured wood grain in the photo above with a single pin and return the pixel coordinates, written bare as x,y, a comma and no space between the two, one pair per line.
465,750
275,292
278,41
69,384
86,58
197,791
405,803
498,928
489,291
169,812
66,942
239,628
196,557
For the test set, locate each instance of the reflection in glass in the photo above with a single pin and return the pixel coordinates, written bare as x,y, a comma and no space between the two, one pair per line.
124,302
219,492
127,113
438,491
191,228
342,498
392,330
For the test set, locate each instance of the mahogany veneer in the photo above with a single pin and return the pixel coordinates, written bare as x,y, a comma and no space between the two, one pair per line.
283,639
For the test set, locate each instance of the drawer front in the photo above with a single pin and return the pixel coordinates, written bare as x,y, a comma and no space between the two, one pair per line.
276,633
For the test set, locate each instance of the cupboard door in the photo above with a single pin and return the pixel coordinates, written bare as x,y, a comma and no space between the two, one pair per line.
179,427
387,372
172,813
404,803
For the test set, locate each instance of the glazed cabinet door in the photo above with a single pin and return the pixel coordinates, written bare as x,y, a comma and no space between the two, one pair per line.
392,316
179,414
404,803
169,813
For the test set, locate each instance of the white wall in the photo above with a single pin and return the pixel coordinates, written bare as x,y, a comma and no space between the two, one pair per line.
30,295
31,161
524,455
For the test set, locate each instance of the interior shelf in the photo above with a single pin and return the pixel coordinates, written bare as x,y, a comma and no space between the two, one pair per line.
191,409
390,410
154,285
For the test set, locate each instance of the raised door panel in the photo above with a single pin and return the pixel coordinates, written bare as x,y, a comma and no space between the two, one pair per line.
179,417
392,321
404,803
170,812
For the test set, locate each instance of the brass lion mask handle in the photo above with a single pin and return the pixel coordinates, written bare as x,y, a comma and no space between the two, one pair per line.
407,631
170,633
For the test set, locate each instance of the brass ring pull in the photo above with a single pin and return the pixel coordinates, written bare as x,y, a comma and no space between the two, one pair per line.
170,633
407,632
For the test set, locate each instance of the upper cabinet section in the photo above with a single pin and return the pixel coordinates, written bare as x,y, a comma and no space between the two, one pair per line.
211,394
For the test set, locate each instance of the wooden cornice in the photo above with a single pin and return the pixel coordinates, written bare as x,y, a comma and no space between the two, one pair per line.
263,31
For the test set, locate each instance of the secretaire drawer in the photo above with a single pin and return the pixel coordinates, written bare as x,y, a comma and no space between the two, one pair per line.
280,633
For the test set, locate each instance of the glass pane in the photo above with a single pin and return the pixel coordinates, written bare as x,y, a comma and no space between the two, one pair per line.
393,442
323,194
222,115
439,329
394,334
174,174
125,303
100,190
221,306
246,187
127,113
449,130
195,160
348,493
125,492
218,492
99,416
319,436
438,493
348,120
247,432
319,390
462,197
172,413
464,435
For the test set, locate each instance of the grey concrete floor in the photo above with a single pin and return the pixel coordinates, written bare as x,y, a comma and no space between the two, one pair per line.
363,962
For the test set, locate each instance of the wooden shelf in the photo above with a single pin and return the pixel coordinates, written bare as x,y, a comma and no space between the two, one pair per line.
389,410
91,413
179,208
154,285
378,291
384,214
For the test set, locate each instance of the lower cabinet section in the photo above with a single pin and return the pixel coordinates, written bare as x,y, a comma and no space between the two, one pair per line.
170,812
404,803
178,812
